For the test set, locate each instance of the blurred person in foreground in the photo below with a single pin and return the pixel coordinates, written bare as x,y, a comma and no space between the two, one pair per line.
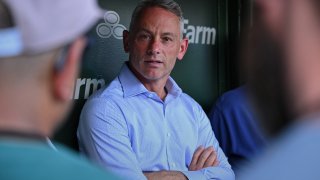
41,43
142,125
284,75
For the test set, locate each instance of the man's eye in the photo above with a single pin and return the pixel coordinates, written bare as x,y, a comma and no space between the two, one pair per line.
167,39
144,37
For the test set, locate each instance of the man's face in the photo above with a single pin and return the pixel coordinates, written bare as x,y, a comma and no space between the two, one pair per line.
265,60
285,61
155,44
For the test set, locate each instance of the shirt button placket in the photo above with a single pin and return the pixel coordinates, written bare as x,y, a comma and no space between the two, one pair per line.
168,134
173,165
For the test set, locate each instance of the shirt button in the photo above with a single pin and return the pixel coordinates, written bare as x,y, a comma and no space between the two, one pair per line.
173,164
168,134
150,95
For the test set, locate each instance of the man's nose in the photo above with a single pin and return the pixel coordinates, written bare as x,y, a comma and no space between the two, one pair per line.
154,47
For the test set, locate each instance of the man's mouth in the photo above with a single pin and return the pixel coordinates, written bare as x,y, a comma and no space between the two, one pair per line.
155,63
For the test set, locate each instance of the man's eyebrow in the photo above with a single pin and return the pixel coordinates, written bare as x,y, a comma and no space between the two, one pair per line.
169,34
172,35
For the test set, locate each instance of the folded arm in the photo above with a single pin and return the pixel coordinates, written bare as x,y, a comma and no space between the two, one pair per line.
208,161
165,175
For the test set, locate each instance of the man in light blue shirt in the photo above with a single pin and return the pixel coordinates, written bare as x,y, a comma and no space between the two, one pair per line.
142,125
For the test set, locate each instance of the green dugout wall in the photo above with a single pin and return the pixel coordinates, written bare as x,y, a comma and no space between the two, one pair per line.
207,70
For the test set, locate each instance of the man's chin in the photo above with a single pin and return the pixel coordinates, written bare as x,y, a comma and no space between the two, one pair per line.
153,76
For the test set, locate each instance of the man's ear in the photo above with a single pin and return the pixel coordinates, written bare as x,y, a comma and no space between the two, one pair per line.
125,41
183,48
65,76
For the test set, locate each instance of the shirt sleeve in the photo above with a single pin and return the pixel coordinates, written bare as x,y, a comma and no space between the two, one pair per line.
103,137
206,138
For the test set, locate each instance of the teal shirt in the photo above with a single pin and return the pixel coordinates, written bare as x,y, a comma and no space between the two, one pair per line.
21,159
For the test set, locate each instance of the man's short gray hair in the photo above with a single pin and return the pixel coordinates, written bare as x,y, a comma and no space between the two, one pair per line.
168,5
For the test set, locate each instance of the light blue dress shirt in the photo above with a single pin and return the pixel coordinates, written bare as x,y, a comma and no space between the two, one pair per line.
130,130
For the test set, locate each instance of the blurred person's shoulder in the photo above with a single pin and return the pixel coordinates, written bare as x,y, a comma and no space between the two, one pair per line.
36,160
294,155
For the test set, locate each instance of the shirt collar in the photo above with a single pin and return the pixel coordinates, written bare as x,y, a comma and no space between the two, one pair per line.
131,86
173,88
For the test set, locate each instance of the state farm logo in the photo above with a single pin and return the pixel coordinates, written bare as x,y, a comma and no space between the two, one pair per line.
111,26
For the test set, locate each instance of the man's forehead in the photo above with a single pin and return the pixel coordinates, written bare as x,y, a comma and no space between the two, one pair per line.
270,5
156,17
157,12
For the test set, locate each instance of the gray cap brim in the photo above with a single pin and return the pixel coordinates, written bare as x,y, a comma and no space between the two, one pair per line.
49,24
